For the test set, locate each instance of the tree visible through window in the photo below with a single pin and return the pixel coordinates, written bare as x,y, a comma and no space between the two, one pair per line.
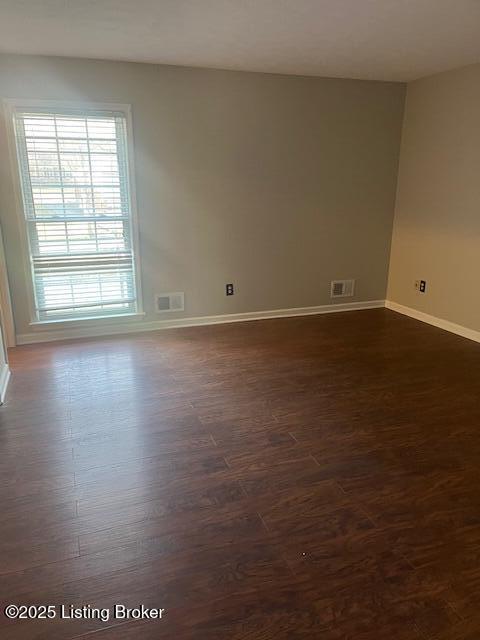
76,196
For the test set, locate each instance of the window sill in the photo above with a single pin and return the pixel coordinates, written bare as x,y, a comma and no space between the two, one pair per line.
89,321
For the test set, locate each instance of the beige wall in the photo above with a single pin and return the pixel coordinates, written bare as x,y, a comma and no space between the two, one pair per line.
277,184
437,220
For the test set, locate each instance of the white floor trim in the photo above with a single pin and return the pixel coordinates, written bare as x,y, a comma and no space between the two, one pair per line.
141,326
4,378
471,334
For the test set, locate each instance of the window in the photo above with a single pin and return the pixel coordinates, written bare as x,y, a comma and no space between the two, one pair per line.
76,197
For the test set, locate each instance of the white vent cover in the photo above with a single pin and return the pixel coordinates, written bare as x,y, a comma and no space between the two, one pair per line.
170,302
342,288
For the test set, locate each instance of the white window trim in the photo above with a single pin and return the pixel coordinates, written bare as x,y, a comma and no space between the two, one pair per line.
10,105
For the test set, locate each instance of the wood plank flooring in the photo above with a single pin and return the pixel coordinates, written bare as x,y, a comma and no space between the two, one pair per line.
298,478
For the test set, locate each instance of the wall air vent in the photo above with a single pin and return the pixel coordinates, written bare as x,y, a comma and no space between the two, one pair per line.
169,302
342,288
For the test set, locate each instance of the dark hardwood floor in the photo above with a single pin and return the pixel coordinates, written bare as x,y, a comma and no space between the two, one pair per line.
310,477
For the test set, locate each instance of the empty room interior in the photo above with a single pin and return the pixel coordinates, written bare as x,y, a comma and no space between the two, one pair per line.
240,321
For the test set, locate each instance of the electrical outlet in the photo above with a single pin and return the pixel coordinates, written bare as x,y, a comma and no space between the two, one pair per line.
229,289
421,285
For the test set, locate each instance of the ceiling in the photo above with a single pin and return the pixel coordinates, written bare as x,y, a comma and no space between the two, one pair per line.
372,39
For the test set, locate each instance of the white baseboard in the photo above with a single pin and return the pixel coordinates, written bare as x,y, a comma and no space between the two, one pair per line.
141,326
458,329
102,329
4,378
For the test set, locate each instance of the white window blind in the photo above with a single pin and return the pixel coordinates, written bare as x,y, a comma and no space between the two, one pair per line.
74,175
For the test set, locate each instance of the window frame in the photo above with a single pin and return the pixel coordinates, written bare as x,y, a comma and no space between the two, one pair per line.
11,105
